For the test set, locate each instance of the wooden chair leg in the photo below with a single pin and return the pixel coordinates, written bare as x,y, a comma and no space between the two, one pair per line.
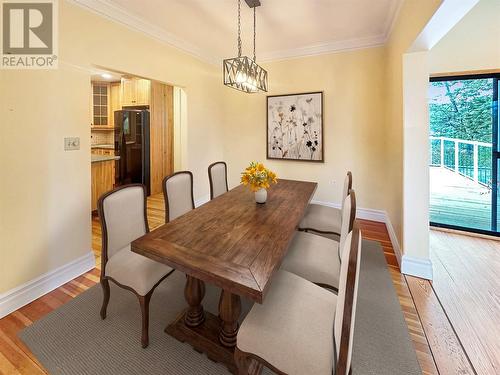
144,302
105,300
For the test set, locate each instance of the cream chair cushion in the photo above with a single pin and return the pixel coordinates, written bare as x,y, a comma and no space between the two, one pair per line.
135,271
314,258
179,194
292,330
322,218
219,179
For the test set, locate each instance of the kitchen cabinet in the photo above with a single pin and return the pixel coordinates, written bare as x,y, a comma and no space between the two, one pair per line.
115,94
100,105
128,91
102,179
143,91
106,99
135,91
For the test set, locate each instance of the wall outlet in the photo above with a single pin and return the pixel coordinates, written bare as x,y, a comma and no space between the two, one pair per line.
71,143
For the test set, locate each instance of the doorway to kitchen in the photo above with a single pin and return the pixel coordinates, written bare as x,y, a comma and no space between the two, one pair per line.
464,152
132,132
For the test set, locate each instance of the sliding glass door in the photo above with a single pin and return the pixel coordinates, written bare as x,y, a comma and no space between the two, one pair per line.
464,152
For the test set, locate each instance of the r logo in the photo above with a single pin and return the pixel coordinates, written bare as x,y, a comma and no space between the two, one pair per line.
27,28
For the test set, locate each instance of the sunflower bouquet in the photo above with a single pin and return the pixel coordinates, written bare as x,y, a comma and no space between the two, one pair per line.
257,177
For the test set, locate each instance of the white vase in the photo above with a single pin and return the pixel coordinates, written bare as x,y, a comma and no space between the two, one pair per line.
261,196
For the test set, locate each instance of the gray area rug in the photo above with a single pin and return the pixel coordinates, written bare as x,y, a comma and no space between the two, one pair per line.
382,344
74,340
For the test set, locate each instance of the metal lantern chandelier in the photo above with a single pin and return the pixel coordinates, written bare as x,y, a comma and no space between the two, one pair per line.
242,73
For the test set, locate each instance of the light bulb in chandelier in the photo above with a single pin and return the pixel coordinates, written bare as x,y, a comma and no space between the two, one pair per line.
241,77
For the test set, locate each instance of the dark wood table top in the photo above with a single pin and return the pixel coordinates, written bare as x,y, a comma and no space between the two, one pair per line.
231,241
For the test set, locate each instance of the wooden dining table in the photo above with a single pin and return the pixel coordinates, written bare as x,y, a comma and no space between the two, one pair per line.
233,243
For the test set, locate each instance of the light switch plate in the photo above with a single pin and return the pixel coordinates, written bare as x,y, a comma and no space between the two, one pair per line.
71,143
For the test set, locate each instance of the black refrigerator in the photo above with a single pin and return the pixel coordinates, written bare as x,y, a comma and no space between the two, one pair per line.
132,146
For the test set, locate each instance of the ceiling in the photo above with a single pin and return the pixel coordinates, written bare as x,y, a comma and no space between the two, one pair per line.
99,75
285,28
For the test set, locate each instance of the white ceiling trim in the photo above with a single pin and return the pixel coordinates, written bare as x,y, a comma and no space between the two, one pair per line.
392,16
323,48
112,12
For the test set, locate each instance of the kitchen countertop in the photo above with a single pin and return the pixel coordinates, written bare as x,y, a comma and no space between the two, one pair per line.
99,158
106,146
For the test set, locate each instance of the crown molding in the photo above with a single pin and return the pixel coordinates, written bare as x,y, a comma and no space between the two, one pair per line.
110,11
324,48
340,46
392,16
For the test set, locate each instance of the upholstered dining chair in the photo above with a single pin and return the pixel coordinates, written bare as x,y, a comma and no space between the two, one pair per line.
178,194
217,176
291,332
317,258
123,219
324,219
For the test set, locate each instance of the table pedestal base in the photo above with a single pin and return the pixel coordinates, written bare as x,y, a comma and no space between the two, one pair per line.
205,339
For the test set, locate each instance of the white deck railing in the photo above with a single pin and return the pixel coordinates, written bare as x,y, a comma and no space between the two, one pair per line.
456,164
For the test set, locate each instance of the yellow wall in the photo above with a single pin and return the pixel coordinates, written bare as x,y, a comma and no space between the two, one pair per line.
354,134
413,16
44,191
473,44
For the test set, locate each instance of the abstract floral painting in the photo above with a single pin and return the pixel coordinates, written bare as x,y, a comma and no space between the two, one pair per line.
295,127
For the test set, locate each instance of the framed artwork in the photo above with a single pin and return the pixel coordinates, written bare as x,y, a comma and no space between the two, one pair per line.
295,127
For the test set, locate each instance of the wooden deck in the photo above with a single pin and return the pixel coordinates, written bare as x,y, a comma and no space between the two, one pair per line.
457,200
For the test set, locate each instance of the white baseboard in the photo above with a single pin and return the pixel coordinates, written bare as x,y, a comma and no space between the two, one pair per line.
33,289
202,200
394,240
417,267
373,215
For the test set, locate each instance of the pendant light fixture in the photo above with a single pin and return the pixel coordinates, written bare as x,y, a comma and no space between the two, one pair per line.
243,73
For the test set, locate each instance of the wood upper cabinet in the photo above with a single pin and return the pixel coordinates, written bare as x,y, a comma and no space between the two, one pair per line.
100,104
143,91
135,91
128,91
115,93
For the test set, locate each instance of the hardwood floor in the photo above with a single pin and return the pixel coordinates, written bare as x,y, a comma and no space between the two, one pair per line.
421,308
464,296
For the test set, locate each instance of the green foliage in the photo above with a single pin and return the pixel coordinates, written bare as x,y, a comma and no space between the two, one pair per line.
462,109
